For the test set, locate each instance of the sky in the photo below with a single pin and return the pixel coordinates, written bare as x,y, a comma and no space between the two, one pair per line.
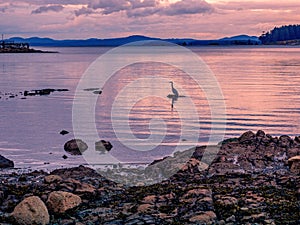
200,19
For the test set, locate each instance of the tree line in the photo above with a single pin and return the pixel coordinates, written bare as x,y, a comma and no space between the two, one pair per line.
280,34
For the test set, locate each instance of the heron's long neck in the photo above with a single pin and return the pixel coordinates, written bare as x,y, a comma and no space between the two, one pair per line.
172,85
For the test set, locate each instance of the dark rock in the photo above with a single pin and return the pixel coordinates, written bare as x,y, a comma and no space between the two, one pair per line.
6,163
46,91
248,136
65,157
75,147
64,132
285,141
294,164
91,89
97,92
103,146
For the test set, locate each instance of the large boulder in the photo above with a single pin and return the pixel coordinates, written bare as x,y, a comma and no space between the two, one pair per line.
294,164
6,163
75,147
103,146
60,201
31,211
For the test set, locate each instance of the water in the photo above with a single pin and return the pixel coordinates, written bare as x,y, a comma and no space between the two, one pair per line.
260,86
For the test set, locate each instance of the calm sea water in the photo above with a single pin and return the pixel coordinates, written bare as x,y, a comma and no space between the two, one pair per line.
260,87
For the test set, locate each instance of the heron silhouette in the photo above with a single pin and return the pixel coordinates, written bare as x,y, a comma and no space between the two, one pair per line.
175,92
173,96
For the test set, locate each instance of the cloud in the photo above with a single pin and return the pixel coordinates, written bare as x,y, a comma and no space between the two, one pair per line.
142,12
3,9
142,8
188,7
110,6
44,9
48,2
135,4
83,11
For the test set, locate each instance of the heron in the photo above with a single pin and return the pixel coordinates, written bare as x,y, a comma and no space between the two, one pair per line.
175,92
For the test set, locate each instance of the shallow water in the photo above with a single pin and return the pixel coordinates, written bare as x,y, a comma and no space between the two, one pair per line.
260,87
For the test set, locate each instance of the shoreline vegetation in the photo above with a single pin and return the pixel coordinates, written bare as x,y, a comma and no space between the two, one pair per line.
254,179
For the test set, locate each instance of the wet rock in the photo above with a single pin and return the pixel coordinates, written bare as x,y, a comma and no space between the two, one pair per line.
60,202
145,208
5,163
52,179
103,146
31,211
260,134
204,218
91,89
294,164
46,91
246,137
75,147
64,132
285,141
97,92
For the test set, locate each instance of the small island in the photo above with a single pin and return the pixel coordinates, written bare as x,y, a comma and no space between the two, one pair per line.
12,47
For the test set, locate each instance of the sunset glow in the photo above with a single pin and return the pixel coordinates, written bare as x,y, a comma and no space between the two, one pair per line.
164,18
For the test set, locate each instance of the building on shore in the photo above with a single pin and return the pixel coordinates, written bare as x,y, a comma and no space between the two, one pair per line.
7,46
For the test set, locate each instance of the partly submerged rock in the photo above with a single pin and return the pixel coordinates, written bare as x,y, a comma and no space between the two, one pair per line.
31,210
97,92
46,91
64,132
60,201
75,147
5,163
103,146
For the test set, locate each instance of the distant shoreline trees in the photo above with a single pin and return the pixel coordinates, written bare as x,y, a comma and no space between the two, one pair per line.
289,34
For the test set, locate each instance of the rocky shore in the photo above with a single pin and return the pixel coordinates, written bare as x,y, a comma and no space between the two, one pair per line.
24,50
255,179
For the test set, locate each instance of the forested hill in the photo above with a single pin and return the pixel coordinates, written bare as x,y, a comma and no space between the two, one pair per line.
282,35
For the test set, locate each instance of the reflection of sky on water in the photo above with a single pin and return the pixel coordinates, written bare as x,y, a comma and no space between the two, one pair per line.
260,86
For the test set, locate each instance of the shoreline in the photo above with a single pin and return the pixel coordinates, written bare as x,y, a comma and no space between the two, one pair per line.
9,51
253,179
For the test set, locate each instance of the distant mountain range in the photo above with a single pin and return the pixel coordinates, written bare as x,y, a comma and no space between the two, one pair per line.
37,41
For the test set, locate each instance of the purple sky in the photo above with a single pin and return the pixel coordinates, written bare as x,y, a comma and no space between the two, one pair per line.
157,18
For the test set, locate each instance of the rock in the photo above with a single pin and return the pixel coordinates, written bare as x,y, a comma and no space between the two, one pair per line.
103,146
97,92
294,164
46,91
248,136
285,141
204,218
151,199
31,210
260,134
75,147
5,163
144,208
64,132
60,201
64,157
52,179
91,89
